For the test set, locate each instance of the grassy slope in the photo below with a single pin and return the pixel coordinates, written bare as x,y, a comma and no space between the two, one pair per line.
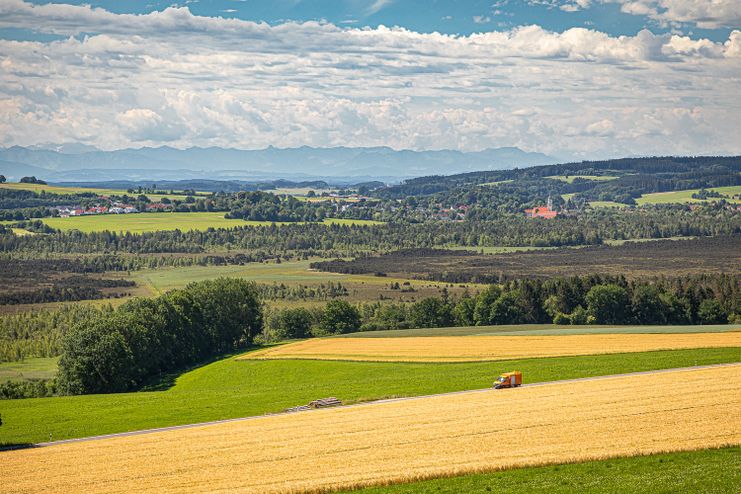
289,273
541,330
230,388
63,189
698,472
31,368
685,196
144,222
150,222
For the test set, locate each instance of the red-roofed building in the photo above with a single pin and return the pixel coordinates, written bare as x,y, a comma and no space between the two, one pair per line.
541,212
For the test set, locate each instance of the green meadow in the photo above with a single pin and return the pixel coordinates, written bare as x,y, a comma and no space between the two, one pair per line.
151,222
30,368
710,471
685,196
288,272
65,189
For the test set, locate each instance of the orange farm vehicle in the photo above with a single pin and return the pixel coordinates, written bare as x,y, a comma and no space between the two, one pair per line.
509,380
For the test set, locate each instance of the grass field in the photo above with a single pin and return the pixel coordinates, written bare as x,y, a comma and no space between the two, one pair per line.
64,189
540,330
230,388
32,368
150,222
710,471
360,287
685,196
490,348
570,178
162,280
403,440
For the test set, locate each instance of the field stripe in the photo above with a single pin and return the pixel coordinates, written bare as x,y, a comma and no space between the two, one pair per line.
489,348
403,440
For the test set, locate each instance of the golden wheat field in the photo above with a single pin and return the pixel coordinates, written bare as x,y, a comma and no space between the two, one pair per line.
478,348
401,440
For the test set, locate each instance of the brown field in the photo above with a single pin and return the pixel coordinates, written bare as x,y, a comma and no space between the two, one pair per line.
633,259
482,348
403,440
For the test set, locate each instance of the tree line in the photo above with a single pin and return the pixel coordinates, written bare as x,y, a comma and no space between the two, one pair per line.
122,349
710,299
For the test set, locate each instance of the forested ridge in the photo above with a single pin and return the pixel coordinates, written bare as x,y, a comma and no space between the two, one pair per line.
629,178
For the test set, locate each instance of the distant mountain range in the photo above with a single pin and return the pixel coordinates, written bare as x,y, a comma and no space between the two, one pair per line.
77,162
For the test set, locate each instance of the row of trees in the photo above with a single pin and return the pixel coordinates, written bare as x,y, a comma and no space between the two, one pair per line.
577,300
122,349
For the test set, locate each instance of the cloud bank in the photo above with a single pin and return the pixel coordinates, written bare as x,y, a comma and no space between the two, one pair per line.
705,14
170,77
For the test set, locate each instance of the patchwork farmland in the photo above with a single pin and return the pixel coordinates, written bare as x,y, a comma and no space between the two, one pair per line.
402,441
232,388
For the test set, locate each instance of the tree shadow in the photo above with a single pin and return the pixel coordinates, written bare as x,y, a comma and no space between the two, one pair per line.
14,446
165,381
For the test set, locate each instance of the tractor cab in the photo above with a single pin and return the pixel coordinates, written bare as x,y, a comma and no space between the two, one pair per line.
509,380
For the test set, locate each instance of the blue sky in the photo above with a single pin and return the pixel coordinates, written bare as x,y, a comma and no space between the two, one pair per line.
445,16
570,78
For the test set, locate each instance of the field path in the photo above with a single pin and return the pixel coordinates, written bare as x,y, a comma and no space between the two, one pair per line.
377,402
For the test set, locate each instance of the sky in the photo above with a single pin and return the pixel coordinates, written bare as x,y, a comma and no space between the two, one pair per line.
574,79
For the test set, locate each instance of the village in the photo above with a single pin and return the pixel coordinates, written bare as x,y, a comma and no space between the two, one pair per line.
114,208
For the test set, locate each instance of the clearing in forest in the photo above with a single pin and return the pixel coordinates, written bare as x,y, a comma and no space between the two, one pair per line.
481,348
403,440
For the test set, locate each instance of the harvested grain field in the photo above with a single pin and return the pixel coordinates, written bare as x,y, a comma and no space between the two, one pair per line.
482,348
402,440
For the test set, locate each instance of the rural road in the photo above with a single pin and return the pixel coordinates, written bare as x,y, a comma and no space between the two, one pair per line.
376,402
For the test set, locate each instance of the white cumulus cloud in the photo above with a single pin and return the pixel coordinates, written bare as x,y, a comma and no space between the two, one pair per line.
707,14
118,80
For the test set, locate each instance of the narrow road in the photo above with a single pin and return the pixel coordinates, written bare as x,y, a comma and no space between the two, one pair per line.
376,402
